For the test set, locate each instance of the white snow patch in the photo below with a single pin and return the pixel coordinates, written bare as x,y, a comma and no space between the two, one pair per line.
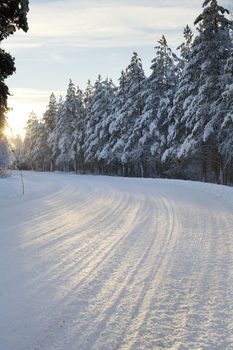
90,262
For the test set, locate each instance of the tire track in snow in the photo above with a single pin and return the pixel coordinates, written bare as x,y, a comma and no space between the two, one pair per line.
94,248
141,312
129,281
117,264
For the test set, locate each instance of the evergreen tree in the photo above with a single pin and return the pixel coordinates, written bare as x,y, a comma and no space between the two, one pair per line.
13,16
102,128
78,133
30,141
96,132
160,90
50,120
185,47
17,146
4,156
113,158
194,129
65,129
226,129
41,152
53,137
131,109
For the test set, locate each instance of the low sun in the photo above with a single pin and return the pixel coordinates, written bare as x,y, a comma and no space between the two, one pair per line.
16,120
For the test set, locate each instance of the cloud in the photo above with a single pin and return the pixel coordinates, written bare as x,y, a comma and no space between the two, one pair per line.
23,94
101,24
104,23
155,3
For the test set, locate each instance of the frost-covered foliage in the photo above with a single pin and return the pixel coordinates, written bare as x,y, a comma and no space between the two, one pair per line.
176,122
96,125
4,156
225,144
195,112
36,151
125,118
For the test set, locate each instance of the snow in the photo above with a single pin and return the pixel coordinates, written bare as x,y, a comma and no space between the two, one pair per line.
91,262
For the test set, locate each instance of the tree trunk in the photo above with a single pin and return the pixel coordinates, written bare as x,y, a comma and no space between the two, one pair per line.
204,171
141,169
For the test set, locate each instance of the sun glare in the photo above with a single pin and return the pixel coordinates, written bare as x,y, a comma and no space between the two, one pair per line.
8,132
16,120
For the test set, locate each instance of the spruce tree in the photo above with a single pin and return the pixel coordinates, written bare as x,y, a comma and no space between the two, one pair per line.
226,128
160,90
54,136
96,133
195,126
185,47
131,109
112,155
30,141
78,133
102,128
65,129
50,120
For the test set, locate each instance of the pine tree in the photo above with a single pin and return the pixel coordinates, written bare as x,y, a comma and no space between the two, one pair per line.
226,128
17,147
131,109
195,124
159,92
185,47
65,129
4,156
50,120
102,128
113,158
54,136
30,142
96,133
78,133
41,152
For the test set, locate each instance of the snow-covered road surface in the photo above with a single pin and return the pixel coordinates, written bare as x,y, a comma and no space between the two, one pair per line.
90,262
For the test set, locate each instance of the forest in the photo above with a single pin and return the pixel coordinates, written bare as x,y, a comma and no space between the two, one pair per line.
175,123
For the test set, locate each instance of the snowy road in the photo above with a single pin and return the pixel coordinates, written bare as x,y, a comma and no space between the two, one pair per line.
90,262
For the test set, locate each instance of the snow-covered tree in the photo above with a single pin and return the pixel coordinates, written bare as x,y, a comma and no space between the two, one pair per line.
17,147
102,128
53,137
50,121
194,130
185,47
4,156
41,151
65,127
151,128
113,157
96,133
78,133
31,141
129,108
226,128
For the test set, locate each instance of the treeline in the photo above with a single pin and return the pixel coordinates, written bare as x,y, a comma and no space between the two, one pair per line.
178,122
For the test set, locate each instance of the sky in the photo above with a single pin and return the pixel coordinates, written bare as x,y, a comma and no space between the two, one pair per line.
79,39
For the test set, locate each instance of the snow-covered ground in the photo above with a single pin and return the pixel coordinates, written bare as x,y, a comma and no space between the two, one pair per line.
90,262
